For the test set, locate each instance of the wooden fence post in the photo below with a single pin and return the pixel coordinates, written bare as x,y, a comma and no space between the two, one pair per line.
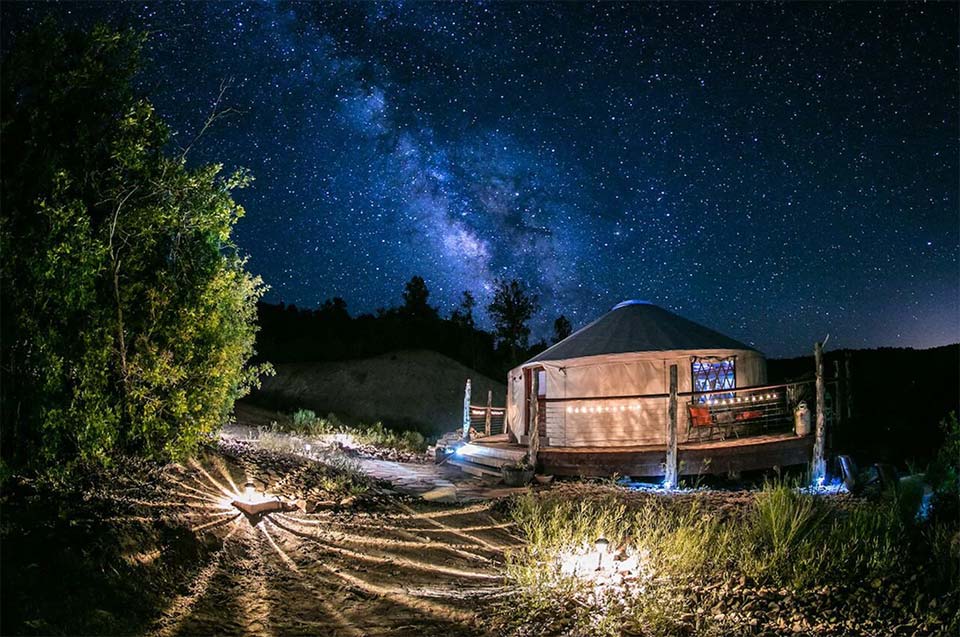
670,472
533,434
486,422
466,412
818,466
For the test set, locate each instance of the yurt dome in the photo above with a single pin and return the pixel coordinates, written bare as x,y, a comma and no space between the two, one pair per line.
638,326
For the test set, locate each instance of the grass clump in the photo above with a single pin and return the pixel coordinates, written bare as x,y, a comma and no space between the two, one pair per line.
782,539
305,422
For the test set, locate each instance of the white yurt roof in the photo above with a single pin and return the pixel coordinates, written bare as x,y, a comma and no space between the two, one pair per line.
638,326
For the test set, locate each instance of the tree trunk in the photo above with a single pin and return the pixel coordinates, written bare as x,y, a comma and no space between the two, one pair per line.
818,468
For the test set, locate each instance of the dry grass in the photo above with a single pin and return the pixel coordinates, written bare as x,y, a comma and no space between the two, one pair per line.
785,540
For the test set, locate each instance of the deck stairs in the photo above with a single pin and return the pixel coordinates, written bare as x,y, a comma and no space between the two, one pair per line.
485,460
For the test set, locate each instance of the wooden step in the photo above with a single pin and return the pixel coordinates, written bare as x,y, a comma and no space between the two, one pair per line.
492,455
473,468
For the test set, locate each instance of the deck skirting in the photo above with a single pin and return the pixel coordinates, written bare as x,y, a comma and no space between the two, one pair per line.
716,458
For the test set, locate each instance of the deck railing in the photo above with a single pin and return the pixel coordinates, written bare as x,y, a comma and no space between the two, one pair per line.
748,411
487,420
702,416
713,415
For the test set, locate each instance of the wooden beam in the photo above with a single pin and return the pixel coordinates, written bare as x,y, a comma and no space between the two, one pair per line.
466,412
818,464
670,471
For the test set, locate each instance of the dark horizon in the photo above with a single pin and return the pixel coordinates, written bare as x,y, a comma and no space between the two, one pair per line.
775,172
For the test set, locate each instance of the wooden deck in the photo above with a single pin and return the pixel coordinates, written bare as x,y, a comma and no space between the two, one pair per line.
712,457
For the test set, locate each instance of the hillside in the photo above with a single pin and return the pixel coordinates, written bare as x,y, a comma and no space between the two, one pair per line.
899,396
410,387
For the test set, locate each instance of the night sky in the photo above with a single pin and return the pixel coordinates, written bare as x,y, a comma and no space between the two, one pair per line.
777,172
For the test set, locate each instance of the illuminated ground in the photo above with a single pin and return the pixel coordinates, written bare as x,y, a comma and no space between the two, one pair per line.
398,567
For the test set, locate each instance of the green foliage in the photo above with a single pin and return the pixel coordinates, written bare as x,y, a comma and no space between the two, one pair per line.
128,315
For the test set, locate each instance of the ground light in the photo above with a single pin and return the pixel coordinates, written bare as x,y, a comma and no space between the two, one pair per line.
621,572
256,505
601,545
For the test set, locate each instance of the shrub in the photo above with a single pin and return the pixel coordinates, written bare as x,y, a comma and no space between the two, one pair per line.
128,315
303,419
305,422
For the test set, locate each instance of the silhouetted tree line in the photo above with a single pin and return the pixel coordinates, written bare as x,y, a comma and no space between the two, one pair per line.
898,398
292,334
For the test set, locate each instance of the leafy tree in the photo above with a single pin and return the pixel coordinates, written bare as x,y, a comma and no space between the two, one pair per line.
512,307
415,295
128,315
561,329
463,314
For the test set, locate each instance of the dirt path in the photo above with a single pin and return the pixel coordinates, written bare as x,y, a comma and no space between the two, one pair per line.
402,568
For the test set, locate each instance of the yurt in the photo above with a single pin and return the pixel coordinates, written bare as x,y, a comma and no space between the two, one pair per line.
605,385
642,391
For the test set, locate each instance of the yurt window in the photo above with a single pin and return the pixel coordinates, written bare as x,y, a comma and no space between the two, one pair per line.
710,374
541,383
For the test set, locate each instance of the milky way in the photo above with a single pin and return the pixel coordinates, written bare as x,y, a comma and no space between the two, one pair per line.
778,172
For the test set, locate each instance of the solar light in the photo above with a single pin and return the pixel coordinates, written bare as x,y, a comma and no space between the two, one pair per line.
601,545
249,491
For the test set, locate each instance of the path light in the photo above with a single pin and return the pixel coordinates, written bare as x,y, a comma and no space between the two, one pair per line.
249,491
601,545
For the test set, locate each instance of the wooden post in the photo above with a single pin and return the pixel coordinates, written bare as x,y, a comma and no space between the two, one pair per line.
533,434
466,412
818,466
486,422
670,473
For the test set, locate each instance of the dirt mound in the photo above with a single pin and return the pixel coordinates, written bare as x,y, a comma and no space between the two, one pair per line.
414,387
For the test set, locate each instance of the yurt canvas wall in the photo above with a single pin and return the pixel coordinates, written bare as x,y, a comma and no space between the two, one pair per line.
612,422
